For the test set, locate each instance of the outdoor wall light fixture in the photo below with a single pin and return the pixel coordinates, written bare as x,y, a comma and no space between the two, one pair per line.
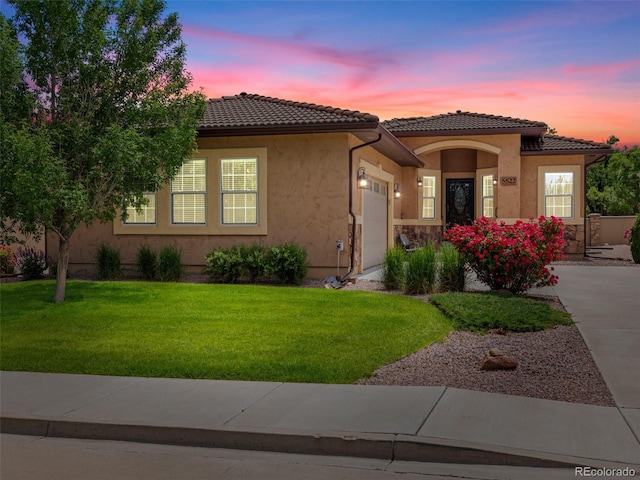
396,190
363,179
419,181
495,180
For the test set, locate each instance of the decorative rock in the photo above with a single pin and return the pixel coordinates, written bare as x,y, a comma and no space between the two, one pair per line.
496,360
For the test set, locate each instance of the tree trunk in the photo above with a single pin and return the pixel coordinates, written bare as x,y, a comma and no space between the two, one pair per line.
63,264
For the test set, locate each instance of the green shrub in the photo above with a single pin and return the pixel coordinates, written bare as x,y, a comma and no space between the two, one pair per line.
147,262
31,263
224,265
108,262
452,275
635,240
420,275
393,268
255,262
288,262
169,264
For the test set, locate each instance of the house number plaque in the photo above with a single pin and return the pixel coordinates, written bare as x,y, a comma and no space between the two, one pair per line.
508,181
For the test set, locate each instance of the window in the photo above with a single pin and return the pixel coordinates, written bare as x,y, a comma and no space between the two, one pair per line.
487,196
558,194
189,193
428,197
239,191
147,215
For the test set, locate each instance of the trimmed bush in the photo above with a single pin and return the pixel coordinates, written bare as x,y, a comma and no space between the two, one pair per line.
255,262
393,268
31,263
169,267
451,272
108,262
420,275
147,262
288,263
224,265
635,240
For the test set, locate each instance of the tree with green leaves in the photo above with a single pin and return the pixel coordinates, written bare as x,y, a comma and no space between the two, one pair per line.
110,114
613,186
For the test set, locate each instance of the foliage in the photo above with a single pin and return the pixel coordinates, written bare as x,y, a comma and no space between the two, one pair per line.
169,264
7,260
288,263
32,263
104,116
420,273
255,262
147,262
393,268
480,312
238,332
224,265
613,186
635,240
452,274
108,262
511,257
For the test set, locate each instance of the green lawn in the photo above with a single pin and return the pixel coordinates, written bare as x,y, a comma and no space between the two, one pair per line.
238,332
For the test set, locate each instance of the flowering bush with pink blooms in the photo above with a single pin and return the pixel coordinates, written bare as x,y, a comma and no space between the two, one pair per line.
7,260
512,257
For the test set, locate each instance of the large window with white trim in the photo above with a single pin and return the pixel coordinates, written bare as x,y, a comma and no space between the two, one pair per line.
558,194
146,215
239,190
189,193
428,192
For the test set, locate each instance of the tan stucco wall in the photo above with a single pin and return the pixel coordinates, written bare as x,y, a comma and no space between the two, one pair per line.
307,199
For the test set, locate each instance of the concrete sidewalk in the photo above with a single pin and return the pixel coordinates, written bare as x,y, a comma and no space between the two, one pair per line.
402,423
435,424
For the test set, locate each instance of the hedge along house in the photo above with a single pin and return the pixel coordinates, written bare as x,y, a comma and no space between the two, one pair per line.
271,171
499,167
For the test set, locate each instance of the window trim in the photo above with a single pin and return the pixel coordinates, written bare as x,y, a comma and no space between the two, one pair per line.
424,172
433,197
576,217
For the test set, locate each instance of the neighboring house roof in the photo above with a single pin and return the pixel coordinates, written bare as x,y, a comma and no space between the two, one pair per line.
251,114
463,123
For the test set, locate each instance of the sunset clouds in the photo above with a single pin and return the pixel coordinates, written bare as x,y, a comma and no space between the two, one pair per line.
574,65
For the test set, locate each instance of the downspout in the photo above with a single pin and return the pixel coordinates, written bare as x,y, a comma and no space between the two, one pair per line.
352,262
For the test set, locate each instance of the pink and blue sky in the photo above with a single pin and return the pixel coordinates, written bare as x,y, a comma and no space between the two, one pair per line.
573,65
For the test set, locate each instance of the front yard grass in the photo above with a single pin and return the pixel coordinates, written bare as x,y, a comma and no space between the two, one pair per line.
238,332
480,312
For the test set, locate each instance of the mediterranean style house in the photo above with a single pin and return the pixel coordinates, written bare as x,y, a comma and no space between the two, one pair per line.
271,171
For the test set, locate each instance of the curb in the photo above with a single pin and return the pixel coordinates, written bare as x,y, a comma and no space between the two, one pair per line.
380,446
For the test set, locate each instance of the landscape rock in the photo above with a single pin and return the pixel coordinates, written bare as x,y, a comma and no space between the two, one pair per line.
494,359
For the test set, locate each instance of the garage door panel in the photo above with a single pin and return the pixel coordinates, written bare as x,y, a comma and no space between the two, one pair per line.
374,224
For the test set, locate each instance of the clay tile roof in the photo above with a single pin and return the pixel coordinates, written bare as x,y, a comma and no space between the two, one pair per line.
558,144
250,111
462,123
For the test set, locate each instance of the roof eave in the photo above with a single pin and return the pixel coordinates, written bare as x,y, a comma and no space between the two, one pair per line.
254,130
591,152
393,148
525,131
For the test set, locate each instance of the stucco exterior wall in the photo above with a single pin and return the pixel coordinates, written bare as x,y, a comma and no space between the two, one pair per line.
307,202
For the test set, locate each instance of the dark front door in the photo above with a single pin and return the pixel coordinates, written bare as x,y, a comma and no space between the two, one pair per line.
460,201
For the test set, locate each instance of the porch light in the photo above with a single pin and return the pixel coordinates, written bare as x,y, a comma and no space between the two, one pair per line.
419,181
495,180
396,190
363,179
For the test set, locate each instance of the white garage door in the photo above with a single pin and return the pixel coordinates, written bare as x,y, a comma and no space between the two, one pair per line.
374,223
